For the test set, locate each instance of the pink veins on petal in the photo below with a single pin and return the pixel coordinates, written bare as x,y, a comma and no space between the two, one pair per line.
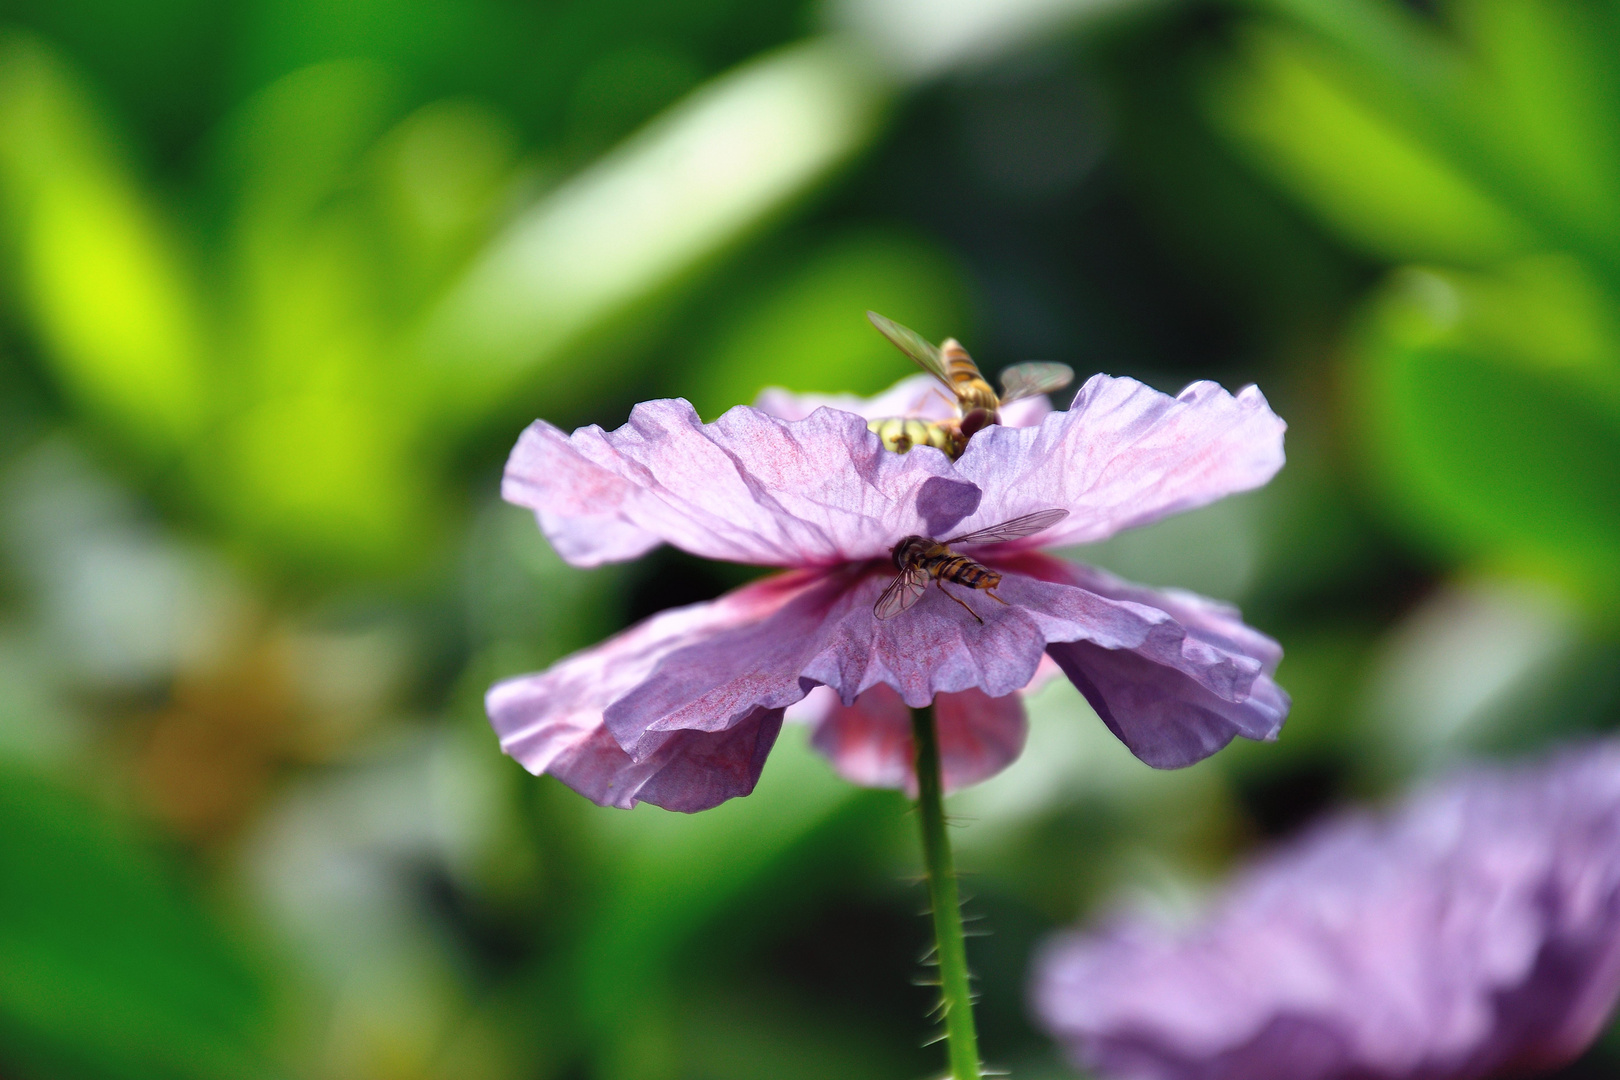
681,710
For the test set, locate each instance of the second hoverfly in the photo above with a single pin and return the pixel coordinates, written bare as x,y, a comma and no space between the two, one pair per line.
977,404
921,560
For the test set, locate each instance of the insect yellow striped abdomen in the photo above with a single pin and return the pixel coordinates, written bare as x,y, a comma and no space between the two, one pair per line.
901,433
942,563
922,560
971,389
977,403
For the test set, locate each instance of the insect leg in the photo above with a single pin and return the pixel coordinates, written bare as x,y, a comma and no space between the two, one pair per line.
941,583
991,594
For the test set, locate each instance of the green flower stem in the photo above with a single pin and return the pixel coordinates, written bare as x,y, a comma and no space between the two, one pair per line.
956,995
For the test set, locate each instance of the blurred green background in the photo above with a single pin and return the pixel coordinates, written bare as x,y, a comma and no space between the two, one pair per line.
280,282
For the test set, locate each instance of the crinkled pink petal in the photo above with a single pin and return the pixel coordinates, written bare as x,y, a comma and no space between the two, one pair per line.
747,488
1123,455
581,507
700,770
1220,624
921,396
682,709
1168,719
1172,706
819,703
628,720
1174,693
869,743
828,634
552,722
688,771
820,490
1045,673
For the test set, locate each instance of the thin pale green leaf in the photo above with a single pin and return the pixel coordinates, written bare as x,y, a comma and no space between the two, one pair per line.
1520,96
105,282
1305,120
1548,72
1490,440
694,182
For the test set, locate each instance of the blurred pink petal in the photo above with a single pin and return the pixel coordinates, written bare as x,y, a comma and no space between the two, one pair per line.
1473,932
869,743
917,395
1026,413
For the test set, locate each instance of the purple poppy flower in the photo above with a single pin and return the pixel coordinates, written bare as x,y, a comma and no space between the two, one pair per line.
681,710
1473,932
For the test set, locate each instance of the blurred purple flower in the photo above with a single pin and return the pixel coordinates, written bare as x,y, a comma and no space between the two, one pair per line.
1473,932
681,710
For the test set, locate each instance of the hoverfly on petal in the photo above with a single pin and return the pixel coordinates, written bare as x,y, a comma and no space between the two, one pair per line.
921,559
977,404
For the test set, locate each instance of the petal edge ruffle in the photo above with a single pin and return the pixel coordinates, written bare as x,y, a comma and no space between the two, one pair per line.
1124,455
748,488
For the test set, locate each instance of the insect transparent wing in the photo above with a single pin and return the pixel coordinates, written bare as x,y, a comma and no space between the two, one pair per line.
914,345
902,592
1036,377
1028,525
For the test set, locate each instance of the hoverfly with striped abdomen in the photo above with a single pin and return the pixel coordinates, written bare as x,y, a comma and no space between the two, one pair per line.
976,403
921,559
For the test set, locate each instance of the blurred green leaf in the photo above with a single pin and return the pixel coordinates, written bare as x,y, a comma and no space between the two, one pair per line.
806,331
1519,98
620,89
294,146
1490,437
102,278
924,41
1550,94
310,457
159,59
1484,140
1304,117
737,1033
319,476
669,873
107,968
443,176
689,185
310,426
